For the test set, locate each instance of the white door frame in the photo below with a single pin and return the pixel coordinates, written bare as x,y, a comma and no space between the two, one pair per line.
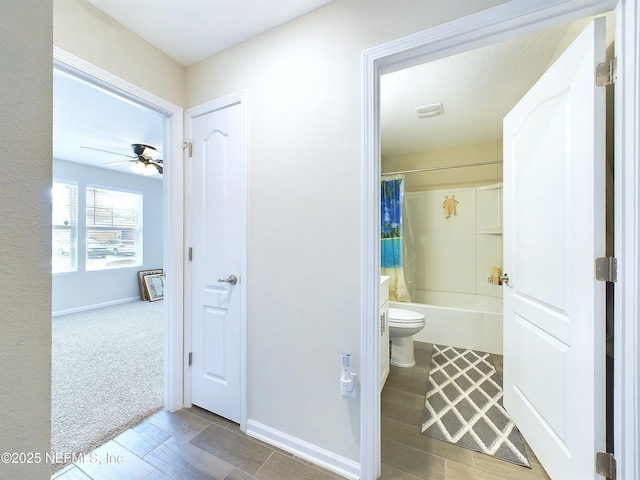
193,112
173,208
486,27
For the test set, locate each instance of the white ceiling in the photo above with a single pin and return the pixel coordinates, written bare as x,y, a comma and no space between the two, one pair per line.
192,30
87,116
187,31
477,88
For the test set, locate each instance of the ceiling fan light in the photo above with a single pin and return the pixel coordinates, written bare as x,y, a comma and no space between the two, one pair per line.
145,169
150,169
139,168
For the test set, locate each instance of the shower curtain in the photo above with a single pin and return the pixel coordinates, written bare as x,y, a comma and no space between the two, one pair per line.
391,197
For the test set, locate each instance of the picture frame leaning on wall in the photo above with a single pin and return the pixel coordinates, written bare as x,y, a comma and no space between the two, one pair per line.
154,285
144,295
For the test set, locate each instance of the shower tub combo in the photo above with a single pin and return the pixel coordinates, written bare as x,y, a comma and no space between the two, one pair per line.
467,321
448,266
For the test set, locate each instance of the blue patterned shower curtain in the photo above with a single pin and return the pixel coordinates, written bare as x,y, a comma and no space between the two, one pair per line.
392,196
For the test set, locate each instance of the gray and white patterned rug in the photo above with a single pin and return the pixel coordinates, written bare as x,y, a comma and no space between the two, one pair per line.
464,405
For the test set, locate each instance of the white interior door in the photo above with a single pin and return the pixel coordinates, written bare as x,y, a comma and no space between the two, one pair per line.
216,211
554,309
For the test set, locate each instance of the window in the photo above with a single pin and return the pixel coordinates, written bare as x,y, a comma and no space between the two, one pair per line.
114,229
64,231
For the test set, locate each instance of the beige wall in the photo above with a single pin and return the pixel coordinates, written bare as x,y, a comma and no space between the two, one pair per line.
84,31
304,86
455,177
25,229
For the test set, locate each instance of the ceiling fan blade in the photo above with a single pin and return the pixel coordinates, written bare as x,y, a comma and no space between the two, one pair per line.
108,151
118,163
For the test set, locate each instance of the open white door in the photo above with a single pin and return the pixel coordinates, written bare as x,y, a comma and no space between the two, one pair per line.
216,224
554,309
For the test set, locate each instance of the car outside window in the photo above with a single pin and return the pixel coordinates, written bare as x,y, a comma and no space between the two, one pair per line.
114,229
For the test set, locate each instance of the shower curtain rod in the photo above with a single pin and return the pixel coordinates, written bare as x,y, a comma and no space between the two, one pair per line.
429,169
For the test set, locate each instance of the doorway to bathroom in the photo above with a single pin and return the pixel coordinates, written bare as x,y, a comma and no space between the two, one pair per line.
457,176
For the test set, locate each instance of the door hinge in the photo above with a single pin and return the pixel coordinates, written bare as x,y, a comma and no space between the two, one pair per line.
190,358
188,145
607,269
190,254
606,465
607,73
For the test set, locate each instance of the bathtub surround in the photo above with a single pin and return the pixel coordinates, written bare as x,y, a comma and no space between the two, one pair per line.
464,405
449,264
453,253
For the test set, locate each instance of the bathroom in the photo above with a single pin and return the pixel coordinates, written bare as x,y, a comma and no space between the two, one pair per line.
451,258
452,268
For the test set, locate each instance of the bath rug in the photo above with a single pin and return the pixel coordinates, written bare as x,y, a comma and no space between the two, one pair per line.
464,405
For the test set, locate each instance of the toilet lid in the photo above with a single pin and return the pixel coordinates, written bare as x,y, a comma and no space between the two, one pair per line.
402,315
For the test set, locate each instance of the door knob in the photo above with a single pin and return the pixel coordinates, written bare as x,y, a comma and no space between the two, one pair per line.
232,279
504,279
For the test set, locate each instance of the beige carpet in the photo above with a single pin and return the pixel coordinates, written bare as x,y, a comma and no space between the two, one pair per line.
107,373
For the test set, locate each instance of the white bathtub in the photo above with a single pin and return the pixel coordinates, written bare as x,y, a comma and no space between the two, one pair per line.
467,321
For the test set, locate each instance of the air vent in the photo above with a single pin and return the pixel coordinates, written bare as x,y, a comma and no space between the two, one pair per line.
432,110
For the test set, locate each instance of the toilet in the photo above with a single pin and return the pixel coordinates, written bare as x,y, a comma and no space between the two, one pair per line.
403,324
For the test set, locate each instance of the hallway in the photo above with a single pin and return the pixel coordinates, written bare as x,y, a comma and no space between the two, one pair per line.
189,444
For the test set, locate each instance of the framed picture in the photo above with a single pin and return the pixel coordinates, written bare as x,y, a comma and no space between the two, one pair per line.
143,289
154,284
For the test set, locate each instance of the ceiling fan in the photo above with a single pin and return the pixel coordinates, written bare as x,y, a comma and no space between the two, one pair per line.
144,159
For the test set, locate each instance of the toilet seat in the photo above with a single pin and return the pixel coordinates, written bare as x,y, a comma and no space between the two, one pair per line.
401,318
402,314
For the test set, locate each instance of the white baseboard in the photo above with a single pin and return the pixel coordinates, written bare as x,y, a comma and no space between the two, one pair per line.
307,451
93,307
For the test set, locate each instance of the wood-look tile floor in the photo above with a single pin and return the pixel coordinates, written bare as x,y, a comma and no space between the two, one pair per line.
190,444
408,455
194,444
